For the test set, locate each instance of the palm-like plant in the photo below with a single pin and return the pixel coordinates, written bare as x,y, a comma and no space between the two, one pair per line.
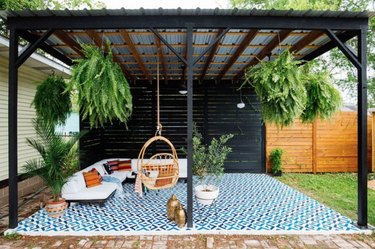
59,157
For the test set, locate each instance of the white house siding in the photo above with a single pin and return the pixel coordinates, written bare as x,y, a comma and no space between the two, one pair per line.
27,82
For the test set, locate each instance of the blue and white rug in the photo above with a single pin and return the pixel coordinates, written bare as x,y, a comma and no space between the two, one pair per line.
247,204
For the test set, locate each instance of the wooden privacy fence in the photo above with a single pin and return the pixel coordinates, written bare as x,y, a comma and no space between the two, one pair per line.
324,146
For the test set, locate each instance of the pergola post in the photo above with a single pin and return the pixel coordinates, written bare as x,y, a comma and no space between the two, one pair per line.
190,64
16,59
12,128
362,130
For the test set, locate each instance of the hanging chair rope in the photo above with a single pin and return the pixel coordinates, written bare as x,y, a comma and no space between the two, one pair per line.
162,169
159,127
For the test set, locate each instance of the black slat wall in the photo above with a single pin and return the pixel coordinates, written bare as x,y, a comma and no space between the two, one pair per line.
215,113
91,145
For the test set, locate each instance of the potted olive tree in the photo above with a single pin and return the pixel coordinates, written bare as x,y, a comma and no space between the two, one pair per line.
208,165
58,161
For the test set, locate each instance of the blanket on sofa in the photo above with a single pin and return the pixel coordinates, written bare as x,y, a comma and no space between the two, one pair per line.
119,189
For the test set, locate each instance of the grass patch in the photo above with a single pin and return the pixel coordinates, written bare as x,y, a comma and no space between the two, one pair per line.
12,236
338,191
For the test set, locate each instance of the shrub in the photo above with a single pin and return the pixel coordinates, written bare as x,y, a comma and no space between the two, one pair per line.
276,160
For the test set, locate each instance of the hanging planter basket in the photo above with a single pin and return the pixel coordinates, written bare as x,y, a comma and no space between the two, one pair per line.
288,91
104,92
280,89
323,99
52,100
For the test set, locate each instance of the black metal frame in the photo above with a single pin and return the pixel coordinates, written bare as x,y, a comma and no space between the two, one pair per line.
351,26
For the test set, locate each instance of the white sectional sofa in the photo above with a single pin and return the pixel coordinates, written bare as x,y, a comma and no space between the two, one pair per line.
75,189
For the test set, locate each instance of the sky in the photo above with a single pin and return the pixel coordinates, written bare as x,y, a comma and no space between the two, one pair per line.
166,4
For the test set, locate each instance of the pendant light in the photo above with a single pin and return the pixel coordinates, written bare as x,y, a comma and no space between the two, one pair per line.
183,89
241,104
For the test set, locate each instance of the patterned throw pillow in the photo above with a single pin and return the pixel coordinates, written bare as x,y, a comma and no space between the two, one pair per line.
125,165
96,171
113,164
91,179
107,168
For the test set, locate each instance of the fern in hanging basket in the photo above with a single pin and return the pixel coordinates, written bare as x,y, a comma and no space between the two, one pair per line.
104,92
323,99
280,89
52,100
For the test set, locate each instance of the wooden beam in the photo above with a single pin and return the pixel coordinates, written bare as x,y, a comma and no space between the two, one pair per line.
265,51
244,44
64,37
98,42
305,41
161,58
210,56
135,53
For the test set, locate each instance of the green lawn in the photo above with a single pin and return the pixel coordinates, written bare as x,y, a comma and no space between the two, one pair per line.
338,191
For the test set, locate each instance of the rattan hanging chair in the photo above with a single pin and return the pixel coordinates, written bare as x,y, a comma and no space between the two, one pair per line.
162,169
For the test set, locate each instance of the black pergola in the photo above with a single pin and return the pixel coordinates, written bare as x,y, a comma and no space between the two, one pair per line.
38,28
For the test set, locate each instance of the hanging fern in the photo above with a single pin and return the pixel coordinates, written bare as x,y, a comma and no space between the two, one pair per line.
280,89
104,93
52,101
323,99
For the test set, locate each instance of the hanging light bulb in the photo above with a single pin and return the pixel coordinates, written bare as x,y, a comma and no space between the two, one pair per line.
241,104
183,89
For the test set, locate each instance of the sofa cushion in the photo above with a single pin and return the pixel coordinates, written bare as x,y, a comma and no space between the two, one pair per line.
100,192
74,184
121,175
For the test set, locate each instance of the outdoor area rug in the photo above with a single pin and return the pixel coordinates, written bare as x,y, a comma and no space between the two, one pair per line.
247,204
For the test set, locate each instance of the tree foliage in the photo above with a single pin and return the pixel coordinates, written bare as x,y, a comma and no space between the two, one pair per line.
336,62
51,4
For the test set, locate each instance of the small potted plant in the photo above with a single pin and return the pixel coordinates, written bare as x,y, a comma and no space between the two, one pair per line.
208,165
58,161
276,160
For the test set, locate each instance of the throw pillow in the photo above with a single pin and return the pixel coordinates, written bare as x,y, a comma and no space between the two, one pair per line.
125,165
113,164
96,171
107,168
91,179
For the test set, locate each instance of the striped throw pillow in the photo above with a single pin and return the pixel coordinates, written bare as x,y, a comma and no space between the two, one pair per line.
91,179
97,172
113,164
125,165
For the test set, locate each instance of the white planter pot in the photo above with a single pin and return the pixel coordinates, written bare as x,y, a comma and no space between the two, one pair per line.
206,194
